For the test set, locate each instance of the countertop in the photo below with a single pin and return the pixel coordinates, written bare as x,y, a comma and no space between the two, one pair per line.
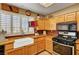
12,39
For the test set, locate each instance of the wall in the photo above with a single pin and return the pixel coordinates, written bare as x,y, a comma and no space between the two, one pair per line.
22,11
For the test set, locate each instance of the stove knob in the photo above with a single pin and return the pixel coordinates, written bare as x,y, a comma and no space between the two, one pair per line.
56,40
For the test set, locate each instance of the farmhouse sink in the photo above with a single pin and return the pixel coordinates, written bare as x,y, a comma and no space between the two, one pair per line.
23,42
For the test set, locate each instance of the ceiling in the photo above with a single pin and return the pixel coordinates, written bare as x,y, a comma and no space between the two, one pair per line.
36,7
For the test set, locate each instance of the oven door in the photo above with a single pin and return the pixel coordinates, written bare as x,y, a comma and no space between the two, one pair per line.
62,49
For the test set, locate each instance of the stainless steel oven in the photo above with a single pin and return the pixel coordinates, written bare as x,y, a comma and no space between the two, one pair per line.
63,49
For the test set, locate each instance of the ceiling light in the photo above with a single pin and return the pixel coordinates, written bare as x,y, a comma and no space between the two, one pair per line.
46,4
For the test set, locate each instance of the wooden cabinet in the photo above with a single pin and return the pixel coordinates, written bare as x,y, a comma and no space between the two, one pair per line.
52,24
60,18
40,44
70,17
47,24
18,51
48,44
8,46
77,47
77,52
77,17
32,49
40,24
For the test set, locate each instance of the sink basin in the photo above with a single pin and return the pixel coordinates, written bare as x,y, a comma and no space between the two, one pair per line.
23,42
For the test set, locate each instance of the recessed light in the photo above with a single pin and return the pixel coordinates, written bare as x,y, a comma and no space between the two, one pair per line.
46,4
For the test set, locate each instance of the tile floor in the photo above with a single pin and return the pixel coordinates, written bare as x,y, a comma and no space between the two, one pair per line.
46,53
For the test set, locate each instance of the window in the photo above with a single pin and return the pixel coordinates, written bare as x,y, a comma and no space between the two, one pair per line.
5,22
25,24
16,24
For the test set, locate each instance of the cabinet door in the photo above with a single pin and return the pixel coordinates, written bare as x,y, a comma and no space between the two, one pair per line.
70,17
18,51
77,46
77,17
47,24
60,19
77,52
49,44
53,24
32,49
40,24
40,44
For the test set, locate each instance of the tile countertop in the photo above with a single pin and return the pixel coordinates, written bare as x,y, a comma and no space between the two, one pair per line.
12,39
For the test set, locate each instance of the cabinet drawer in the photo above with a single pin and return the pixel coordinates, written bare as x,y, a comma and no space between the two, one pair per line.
9,46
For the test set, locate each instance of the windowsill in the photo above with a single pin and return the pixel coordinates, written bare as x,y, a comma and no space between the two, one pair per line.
19,35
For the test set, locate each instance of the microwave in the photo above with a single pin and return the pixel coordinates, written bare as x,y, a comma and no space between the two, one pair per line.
67,26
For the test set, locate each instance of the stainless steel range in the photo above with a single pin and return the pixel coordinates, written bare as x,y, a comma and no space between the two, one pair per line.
64,43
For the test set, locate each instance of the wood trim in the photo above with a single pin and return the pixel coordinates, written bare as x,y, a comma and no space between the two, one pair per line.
15,9
5,6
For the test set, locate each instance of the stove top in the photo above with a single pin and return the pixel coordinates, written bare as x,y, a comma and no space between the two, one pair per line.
66,41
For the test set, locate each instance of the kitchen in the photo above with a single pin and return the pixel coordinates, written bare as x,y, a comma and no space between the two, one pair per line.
39,29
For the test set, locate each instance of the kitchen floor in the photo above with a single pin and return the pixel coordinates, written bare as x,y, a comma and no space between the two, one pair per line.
47,53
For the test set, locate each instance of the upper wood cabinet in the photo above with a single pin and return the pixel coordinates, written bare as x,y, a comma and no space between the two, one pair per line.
47,24
60,18
40,24
77,17
52,23
70,17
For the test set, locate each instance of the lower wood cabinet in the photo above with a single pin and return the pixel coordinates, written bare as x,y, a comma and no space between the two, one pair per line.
77,52
77,47
32,49
40,44
49,44
19,51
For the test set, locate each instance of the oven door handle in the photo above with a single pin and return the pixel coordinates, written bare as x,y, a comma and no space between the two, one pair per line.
63,44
